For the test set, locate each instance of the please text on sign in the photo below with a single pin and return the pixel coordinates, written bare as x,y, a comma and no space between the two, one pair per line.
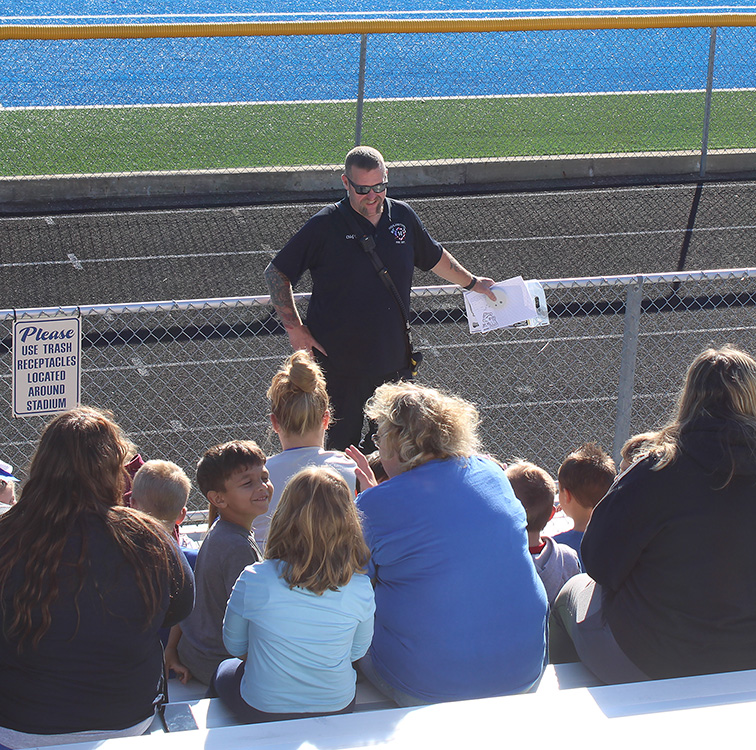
46,365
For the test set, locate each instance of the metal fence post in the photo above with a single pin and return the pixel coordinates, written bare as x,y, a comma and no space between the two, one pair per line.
707,109
360,90
627,366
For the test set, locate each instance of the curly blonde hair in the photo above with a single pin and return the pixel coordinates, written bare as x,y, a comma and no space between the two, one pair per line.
298,395
419,424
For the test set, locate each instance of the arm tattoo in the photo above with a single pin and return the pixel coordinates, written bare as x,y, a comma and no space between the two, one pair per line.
455,266
282,296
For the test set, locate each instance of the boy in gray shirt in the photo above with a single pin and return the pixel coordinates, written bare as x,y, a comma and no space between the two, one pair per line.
535,489
235,482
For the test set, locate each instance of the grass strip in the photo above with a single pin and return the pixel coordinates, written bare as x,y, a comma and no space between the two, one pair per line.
129,139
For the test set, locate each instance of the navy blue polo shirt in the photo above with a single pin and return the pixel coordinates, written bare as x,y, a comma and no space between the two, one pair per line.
351,312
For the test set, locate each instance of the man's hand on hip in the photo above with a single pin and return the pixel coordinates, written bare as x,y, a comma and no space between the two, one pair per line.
301,338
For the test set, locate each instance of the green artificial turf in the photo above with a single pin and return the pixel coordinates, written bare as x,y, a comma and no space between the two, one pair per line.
128,139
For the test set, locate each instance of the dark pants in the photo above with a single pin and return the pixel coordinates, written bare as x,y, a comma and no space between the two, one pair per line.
226,685
348,394
578,631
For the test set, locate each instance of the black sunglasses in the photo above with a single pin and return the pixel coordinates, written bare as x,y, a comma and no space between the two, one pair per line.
365,189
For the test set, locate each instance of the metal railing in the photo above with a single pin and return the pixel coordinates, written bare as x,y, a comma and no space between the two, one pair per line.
103,99
182,376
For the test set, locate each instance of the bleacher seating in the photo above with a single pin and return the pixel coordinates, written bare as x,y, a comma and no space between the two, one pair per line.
567,709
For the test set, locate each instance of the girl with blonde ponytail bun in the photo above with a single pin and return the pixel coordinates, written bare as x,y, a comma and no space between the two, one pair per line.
300,415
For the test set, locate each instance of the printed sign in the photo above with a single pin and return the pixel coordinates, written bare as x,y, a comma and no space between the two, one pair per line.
519,304
46,365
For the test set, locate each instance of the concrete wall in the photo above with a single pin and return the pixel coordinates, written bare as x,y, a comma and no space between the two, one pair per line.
165,189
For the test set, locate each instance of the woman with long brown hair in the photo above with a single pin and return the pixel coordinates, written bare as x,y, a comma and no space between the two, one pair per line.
85,584
670,585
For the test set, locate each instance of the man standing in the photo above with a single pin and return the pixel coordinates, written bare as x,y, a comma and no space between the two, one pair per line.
354,326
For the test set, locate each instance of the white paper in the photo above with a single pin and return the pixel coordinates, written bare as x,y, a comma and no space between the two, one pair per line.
538,295
514,304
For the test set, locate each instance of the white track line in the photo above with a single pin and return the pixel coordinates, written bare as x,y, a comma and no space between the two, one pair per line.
79,263
378,99
600,235
139,366
567,194
313,205
392,13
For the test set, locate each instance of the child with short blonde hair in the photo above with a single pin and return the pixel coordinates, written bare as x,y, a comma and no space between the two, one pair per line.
161,489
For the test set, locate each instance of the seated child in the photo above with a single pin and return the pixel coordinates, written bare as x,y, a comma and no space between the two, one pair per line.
536,490
161,489
299,619
234,479
634,449
300,415
7,486
584,477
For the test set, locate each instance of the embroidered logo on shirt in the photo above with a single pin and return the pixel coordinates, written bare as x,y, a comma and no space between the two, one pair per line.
399,231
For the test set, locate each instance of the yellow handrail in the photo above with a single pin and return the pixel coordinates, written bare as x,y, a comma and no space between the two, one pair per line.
376,26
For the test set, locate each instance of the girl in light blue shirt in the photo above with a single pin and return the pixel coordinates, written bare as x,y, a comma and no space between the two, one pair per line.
304,614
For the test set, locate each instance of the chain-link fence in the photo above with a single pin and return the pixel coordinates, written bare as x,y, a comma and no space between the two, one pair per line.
183,376
236,97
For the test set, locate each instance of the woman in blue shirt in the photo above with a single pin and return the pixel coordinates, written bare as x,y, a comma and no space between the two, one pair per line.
460,610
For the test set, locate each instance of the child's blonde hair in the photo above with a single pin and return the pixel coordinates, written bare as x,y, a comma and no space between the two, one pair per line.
316,532
161,488
298,394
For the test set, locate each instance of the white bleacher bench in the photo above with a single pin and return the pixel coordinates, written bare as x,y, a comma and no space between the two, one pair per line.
708,711
189,709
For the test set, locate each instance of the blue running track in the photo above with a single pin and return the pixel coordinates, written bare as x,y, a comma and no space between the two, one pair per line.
180,71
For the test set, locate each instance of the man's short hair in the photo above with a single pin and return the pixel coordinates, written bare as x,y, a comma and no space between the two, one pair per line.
587,474
535,489
364,157
160,488
220,462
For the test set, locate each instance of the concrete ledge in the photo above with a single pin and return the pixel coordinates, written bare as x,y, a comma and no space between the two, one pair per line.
227,187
